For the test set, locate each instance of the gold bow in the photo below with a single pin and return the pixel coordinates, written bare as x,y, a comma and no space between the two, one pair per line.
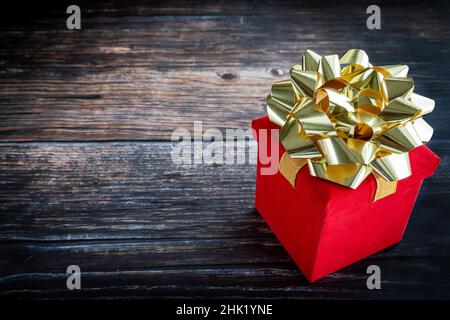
346,119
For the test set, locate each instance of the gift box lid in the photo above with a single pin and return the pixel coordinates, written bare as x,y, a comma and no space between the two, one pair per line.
423,164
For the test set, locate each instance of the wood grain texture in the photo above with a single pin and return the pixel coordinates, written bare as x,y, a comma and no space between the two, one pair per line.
85,170
76,191
120,190
140,225
137,73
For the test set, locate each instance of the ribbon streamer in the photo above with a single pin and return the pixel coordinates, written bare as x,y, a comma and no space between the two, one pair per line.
346,119
290,167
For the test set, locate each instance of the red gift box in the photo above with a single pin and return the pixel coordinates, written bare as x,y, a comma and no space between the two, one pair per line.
325,226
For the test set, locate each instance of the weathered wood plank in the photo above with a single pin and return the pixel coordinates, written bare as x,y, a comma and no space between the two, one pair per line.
403,277
123,190
68,191
95,256
140,77
19,257
246,267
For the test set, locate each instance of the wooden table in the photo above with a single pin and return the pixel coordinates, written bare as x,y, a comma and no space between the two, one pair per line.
86,119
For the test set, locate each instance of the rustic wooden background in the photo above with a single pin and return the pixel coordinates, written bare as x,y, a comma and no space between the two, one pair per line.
85,124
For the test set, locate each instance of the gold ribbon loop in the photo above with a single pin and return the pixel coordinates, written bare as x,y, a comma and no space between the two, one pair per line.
398,110
355,57
398,87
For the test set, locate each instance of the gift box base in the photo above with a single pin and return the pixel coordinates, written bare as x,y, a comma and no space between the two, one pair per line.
334,243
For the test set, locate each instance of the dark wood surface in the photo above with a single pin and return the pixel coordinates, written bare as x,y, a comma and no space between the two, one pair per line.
86,176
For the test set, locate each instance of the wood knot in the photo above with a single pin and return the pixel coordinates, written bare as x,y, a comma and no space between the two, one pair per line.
276,72
227,76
